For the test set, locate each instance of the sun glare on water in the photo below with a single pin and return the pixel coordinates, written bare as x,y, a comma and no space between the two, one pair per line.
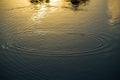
55,2
44,9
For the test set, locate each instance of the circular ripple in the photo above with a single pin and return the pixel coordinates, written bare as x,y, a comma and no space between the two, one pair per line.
50,43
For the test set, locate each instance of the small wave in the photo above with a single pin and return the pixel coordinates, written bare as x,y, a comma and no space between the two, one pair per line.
86,44
18,8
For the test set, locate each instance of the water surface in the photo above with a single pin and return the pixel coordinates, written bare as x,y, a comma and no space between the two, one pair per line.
59,40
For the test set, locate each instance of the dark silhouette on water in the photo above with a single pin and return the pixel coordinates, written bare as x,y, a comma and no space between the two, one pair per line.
47,1
76,3
36,1
39,1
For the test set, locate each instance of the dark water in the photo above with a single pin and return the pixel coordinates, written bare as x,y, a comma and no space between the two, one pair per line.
59,40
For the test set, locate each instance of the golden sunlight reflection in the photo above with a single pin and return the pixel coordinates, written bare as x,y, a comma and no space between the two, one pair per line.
53,27
44,9
40,13
13,4
114,10
55,2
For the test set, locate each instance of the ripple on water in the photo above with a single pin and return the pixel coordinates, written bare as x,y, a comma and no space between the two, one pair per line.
51,43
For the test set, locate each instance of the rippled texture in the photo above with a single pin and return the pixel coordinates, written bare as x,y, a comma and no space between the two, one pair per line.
51,29
59,39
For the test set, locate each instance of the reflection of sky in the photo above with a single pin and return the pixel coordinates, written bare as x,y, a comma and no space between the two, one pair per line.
44,9
114,11
8,4
40,11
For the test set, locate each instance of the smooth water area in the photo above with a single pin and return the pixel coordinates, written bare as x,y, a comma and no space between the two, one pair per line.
58,40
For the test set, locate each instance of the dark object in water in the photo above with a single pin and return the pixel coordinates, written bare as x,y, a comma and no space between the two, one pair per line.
75,2
35,1
47,1
39,1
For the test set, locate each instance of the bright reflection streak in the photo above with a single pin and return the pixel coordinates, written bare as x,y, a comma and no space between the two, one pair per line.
40,13
55,2
44,9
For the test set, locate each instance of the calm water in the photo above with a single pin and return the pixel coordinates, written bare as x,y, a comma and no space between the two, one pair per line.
59,40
